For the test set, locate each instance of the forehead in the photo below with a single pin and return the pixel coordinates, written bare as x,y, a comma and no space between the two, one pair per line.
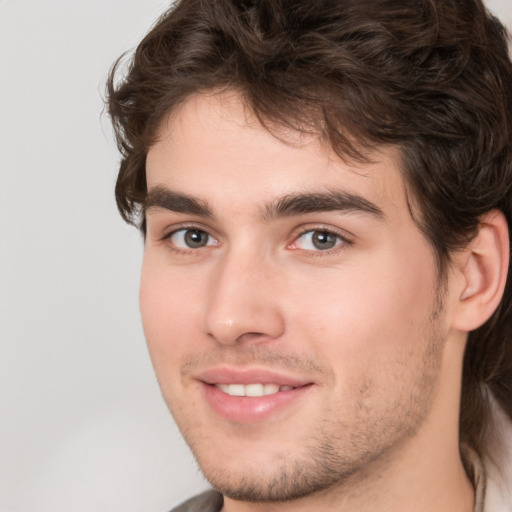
213,146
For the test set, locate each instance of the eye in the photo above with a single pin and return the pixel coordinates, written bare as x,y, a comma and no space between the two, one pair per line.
191,239
317,240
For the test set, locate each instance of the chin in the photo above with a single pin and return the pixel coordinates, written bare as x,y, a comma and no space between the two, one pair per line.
278,478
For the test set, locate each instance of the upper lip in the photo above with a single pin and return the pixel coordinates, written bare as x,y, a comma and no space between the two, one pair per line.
226,375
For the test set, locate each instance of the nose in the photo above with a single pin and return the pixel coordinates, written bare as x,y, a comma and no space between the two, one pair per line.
243,302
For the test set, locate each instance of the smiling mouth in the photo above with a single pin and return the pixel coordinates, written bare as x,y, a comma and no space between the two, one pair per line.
252,390
242,398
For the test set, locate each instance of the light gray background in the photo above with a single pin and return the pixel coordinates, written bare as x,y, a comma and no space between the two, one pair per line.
82,424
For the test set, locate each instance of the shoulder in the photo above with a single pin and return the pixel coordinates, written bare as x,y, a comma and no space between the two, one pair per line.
498,495
209,501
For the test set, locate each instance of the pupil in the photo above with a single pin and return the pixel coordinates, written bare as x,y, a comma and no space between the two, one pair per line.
324,240
195,238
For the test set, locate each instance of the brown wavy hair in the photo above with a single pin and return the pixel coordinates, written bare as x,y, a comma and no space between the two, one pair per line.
432,77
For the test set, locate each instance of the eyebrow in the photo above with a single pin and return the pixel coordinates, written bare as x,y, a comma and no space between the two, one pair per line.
161,197
302,203
286,206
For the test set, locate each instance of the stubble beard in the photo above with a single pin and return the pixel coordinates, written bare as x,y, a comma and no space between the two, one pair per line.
338,454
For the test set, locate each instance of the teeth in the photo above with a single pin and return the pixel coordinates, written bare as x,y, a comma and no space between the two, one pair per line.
236,390
252,389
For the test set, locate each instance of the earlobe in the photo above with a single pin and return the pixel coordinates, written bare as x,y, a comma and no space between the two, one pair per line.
483,269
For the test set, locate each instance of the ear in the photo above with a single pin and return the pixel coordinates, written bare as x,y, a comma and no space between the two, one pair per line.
482,268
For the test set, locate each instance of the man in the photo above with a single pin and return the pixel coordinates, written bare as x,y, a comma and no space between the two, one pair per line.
324,188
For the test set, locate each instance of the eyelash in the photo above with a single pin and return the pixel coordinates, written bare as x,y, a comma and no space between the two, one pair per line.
342,240
187,227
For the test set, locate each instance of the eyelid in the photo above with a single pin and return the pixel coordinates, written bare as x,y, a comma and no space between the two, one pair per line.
188,226
170,230
345,237
181,241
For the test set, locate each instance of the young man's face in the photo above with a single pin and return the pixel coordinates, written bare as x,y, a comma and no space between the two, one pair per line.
276,271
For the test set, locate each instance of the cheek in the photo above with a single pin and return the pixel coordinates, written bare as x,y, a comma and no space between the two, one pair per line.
376,341
169,309
367,315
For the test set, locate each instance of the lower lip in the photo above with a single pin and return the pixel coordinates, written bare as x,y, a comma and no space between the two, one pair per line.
250,409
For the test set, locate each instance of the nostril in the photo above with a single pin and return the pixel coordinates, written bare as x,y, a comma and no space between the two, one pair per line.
250,336
246,337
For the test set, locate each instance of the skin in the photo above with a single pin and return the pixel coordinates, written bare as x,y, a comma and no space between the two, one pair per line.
365,322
